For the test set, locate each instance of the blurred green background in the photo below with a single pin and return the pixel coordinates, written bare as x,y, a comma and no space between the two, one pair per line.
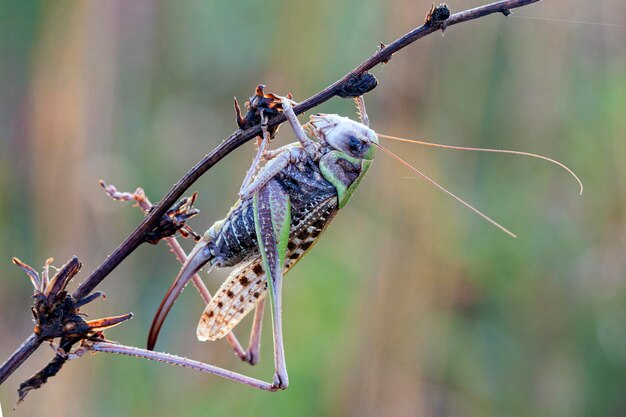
410,305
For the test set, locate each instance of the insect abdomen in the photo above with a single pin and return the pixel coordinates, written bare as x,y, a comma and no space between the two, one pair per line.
235,239
247,285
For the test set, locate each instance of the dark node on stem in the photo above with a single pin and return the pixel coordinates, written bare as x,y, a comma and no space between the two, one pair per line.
357,85
437,15
174,218
174,221
57,315
382,46
506,12
268,104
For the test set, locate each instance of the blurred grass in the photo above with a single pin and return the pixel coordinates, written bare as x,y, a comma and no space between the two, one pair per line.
409,305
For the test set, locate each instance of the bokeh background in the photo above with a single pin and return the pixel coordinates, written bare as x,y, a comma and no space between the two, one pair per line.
410,305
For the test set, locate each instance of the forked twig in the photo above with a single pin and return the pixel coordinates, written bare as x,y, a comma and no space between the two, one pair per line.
143,202
433,23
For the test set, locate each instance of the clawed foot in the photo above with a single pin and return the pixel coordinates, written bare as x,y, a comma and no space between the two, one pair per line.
251,357
287,104
280,383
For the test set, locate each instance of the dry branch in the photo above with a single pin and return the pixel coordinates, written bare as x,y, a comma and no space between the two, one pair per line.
433,23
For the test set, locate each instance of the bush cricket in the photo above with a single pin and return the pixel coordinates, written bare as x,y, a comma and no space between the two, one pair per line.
282,210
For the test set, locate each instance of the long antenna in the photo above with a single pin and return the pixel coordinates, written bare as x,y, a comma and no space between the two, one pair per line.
464,148
459,199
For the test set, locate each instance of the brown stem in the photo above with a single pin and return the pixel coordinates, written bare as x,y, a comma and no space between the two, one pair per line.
18,357
143,202
238,138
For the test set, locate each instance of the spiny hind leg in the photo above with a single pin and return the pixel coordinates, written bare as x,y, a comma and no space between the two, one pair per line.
191,265
281,379
272,221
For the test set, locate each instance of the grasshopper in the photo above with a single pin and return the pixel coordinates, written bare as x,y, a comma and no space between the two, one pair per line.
282,210
281,213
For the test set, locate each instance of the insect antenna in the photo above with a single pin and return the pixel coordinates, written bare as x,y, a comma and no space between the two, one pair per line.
580,22
465,148
457,198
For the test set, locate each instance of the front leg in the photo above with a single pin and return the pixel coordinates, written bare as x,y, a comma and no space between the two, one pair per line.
269,171
308,145
262,153
272,221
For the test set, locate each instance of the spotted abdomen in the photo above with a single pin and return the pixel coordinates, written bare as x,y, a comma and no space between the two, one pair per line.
247,284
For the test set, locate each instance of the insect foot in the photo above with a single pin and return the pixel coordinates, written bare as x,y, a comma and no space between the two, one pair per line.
251,356
280,383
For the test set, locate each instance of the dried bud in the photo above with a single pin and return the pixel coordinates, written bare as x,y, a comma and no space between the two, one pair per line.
357,85
57,315
269,104
437,15
174,221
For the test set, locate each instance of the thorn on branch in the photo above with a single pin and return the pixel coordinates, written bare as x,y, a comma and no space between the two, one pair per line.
238,118
437,16
57,315
382,46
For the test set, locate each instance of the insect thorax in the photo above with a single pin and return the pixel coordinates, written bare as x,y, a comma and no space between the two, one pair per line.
234,238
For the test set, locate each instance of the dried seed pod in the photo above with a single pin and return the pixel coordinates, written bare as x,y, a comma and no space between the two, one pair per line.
358,85
437,15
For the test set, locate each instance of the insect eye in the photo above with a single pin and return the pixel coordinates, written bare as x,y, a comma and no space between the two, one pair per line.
354,144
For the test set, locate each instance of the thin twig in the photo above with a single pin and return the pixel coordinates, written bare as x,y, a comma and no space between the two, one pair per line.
136,238
20,355
143,203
